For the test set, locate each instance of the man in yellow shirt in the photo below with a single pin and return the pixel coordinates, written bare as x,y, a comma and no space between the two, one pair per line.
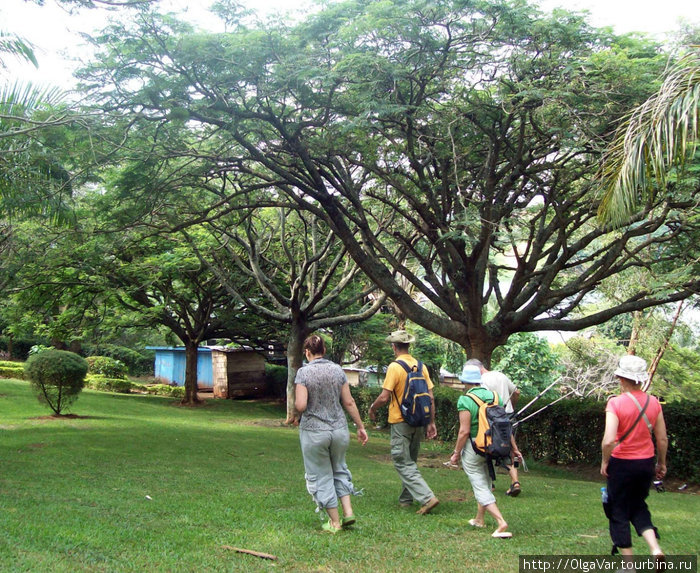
406,439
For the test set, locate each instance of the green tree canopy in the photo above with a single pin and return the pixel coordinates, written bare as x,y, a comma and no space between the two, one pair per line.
469,131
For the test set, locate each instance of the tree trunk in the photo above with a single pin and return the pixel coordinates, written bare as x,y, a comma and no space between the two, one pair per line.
295,355
664,344
481,347
190,398
634,335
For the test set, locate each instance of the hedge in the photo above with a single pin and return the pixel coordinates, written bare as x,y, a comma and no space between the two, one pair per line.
9,369
106,384
122,386
568,432
107,366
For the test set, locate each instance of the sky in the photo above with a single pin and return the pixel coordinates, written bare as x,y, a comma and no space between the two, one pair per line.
58,46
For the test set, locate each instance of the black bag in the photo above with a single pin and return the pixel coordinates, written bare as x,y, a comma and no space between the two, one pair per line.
415,404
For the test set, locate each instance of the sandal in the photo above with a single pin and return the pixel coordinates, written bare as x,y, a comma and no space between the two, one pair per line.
502,534
328,526
475,523
349,520
514,489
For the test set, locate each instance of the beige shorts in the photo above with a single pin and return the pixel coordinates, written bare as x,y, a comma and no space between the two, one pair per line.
477,471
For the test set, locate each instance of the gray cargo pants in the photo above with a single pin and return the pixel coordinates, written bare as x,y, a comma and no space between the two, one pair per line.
405,445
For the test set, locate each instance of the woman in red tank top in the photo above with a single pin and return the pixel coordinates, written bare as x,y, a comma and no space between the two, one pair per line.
629,463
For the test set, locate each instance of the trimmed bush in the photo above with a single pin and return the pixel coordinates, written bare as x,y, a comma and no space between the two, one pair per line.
10,369
105,384
106,366
57,377
165,390
137,363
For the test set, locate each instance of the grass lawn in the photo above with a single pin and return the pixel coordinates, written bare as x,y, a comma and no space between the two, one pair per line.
138,483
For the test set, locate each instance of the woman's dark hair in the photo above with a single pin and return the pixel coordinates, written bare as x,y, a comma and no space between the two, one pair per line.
315,345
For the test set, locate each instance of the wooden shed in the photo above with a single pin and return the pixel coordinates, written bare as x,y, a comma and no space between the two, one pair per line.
451,380
355,376
237,372
228,372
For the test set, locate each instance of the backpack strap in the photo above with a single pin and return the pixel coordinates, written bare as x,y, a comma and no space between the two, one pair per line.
479,401
408,369
489,462
641,415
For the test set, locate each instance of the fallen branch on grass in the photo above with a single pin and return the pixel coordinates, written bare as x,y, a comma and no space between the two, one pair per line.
251,552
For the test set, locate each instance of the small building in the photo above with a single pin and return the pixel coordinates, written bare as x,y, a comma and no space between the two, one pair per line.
355,376
358,376
451,380
170,365
227,372
237,372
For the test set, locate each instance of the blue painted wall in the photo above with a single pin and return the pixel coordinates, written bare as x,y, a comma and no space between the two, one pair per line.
170,365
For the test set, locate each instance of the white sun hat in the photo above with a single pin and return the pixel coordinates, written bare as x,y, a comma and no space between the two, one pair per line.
633,368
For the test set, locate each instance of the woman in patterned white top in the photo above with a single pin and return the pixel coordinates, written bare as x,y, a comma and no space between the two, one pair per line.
322,391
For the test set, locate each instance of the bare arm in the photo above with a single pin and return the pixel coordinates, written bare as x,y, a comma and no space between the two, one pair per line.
661,445
431,429
382,400
301,397
465,422
608,444
514,397
348,403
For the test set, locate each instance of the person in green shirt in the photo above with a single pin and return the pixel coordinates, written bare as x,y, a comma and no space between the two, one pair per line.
475,465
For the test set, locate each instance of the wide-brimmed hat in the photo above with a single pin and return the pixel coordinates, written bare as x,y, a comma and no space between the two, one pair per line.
471,374
400,336
633,368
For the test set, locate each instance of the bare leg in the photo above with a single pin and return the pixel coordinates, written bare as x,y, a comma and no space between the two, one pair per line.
334,516
480,511
627,559
347,506
513,471
493,510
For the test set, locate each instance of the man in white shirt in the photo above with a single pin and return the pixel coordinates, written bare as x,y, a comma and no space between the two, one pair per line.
508,396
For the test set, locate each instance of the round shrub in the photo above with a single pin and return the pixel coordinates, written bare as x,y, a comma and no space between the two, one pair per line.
57,377
106,366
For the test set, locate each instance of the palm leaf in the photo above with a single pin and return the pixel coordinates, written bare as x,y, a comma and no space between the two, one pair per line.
17,47
656,137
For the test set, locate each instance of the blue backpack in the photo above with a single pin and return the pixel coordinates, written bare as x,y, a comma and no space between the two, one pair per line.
415,403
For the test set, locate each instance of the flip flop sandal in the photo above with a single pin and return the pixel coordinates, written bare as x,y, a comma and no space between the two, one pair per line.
502,534
328,526
514,489
475,523
349,520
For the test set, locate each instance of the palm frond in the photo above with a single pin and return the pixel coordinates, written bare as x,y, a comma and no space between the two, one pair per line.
17,47
21,99
656,137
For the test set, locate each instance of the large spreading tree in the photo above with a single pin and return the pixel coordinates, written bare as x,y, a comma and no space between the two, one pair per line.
469,131
299,277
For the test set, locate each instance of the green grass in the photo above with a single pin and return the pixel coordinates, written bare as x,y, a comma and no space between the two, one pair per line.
73,497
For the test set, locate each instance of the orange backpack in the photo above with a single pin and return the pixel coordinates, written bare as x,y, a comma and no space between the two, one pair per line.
494,431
